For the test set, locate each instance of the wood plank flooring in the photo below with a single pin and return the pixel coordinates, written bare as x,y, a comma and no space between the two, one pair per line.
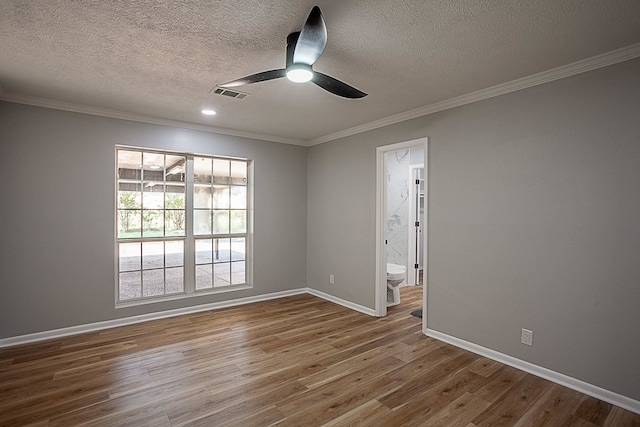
296,361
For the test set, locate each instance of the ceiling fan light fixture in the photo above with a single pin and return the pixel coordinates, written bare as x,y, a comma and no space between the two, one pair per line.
299,73
304,47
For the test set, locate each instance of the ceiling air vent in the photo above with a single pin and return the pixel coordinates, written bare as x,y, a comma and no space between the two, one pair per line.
228,92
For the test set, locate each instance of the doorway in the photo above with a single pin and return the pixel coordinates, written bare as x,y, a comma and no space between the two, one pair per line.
382,221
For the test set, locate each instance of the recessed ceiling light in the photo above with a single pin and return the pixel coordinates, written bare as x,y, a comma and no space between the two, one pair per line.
208,112
154,167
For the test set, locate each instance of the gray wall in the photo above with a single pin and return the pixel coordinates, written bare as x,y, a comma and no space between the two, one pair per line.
57,219
534,222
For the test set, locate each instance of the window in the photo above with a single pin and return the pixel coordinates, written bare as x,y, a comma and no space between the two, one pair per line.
182,224
219,221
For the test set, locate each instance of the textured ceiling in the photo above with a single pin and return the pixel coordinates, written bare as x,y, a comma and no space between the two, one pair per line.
161,58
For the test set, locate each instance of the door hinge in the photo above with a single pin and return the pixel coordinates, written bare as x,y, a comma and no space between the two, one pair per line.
417,223
416,266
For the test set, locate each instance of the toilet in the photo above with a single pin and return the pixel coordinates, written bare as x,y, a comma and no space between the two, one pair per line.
395,276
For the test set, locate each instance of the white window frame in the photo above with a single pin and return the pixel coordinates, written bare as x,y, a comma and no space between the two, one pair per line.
189,238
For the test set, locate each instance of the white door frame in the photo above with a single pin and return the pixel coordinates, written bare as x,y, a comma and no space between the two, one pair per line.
414,204
381,220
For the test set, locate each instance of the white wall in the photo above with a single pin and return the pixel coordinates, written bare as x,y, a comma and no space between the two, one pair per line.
57,219
534,222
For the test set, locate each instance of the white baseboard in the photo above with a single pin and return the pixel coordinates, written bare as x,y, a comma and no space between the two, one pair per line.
556,377
572,383
90,327
97,326
342,302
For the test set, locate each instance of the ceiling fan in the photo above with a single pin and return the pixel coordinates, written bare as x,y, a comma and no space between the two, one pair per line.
303,50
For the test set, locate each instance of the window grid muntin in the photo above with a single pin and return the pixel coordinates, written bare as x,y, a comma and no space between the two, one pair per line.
222,178
238,268
143,179
144,267
146,176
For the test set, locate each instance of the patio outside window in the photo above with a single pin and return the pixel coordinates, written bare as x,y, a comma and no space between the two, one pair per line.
182,224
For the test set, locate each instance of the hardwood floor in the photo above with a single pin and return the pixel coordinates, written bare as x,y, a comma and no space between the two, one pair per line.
298,361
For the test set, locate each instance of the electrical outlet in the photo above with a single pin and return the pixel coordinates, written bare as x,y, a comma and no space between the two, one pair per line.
332,279
526,337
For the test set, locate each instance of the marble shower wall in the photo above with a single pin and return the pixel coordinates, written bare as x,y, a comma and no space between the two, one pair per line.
398,193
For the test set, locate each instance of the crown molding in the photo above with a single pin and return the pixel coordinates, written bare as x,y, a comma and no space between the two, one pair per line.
599,61
582,66
123,115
